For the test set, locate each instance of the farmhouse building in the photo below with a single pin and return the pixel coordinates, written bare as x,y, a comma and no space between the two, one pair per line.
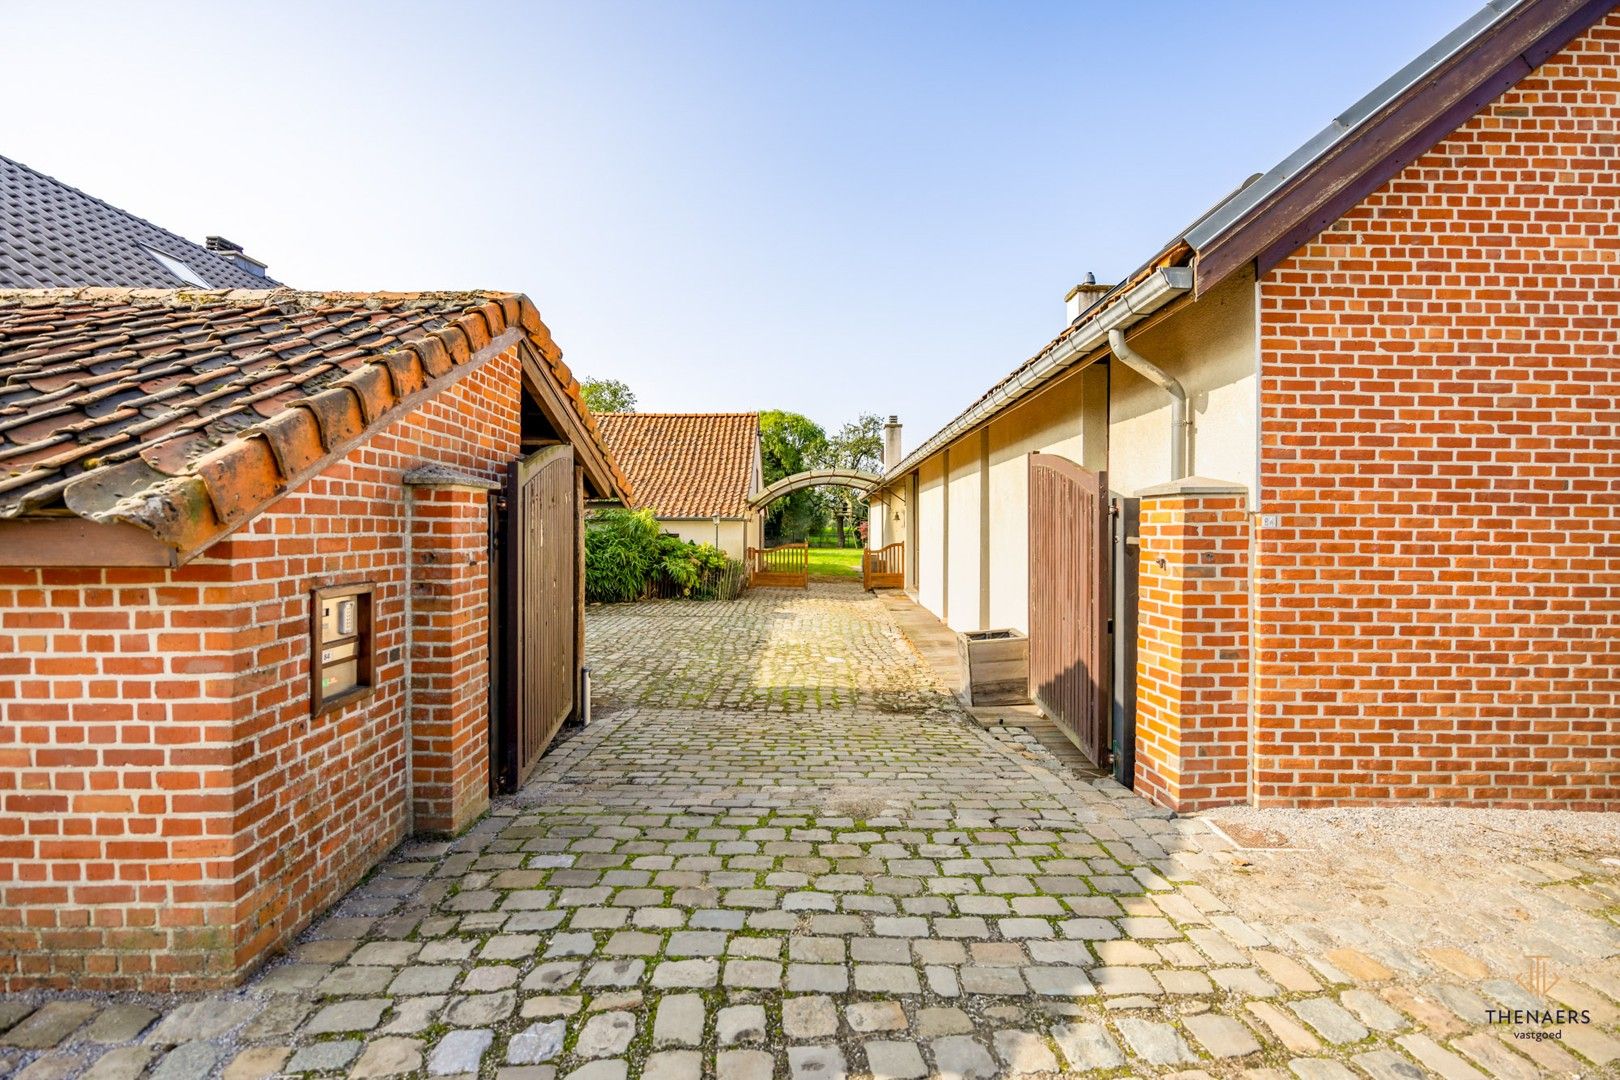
284,578
1320,504
694,471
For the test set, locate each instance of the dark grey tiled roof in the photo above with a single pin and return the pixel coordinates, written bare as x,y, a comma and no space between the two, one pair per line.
53,236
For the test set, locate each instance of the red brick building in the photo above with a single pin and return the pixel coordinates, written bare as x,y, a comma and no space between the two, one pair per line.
253,553
1367,409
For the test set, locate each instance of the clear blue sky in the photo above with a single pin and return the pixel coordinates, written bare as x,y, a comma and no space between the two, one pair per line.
826,207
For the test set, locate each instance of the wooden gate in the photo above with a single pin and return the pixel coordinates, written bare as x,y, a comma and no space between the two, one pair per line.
1069,552
787,565
538,634
884,568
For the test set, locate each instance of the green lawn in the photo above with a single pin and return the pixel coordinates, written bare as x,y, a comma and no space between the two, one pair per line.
835,562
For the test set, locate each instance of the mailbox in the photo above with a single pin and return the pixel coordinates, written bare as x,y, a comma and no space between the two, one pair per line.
341,645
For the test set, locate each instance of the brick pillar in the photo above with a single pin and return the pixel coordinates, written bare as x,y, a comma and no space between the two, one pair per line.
1192,647
449,648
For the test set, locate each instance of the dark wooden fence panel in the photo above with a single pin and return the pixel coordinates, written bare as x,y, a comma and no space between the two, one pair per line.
542,569
1069,600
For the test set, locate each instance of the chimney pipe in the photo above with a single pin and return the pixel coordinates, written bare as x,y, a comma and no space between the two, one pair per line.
891,443
233,254
1083,295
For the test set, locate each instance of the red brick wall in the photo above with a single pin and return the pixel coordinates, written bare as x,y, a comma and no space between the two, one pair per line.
1192,658
169,810
1439,607
450,673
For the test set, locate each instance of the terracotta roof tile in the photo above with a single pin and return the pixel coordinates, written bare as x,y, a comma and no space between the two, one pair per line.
186,413
686,464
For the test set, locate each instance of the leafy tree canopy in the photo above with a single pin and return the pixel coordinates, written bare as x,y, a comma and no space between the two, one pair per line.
607,395
789,443
858,445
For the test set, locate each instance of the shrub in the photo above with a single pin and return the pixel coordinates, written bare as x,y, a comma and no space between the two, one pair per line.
627,557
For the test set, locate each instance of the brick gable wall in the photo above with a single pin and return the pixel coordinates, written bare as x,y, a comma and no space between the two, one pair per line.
169,810
1438,611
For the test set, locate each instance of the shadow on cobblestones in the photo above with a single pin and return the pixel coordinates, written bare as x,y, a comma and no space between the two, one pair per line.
785,854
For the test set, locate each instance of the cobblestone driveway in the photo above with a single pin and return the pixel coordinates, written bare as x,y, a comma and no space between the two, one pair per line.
782,851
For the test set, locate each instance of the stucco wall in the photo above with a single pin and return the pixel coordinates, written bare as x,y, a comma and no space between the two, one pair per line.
1052,422
887,518
1104,417
931,535
964,522
1209,346
734,536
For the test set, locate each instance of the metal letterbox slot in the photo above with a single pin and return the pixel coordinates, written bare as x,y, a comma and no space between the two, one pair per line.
336,678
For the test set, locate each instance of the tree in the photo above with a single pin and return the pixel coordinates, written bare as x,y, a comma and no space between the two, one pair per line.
788,444
858,446
607,395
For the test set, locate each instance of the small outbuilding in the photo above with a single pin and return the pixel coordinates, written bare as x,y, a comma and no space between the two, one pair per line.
695,472
285,577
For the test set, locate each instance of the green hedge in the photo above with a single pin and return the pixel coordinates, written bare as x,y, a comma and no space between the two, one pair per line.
627,557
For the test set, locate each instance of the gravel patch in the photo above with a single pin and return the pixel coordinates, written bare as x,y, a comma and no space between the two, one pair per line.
1430,831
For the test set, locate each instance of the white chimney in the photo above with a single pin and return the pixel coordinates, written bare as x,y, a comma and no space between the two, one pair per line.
891,443
1083,295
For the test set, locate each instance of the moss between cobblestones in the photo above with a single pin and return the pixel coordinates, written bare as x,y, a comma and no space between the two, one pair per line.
617,785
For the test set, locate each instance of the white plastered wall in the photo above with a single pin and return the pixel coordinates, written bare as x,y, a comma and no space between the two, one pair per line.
1211,347
1066,419
1122,427
963,594
931,535
733,534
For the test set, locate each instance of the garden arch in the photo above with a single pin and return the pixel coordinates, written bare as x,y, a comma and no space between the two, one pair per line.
864,482
789,563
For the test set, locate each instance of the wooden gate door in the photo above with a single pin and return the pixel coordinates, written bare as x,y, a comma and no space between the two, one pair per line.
787,566
538,630
884,568
1069,600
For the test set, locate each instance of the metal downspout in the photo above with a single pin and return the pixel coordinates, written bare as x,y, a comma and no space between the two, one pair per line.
1180,424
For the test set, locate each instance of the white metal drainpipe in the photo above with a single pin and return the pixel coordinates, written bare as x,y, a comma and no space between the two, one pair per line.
1180,423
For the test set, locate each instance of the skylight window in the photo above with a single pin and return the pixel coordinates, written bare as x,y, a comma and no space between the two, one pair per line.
178,268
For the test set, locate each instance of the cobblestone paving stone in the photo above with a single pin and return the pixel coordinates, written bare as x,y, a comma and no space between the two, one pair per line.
781,852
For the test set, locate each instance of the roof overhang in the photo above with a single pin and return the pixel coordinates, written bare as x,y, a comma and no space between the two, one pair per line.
185,511
1078,346
602,478
73,541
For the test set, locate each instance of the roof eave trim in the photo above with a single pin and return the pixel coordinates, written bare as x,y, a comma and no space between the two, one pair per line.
1074,350
1346,123
1383,133
230,487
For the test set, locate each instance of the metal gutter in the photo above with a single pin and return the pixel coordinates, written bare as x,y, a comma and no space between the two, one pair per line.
1084,338
1180,425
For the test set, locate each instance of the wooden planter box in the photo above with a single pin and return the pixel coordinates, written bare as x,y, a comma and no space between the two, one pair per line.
995,667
